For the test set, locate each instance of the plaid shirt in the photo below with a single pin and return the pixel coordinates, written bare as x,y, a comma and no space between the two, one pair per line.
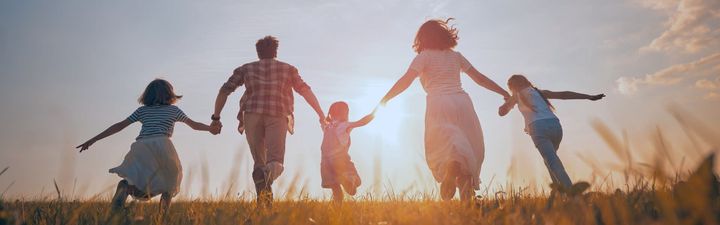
268,88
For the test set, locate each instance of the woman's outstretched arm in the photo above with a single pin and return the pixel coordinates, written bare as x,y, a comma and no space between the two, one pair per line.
571,95
401,85
485,82
117,127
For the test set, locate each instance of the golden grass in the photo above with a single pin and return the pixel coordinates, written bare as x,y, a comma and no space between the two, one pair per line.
656,191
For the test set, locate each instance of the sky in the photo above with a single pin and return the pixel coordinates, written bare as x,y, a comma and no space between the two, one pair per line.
69,69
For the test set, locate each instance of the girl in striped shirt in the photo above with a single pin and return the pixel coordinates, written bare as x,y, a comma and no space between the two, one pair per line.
152,166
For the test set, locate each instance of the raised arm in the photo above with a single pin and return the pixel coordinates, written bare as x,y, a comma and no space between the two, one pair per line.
571,95
364,121
117,127
401,85
485,82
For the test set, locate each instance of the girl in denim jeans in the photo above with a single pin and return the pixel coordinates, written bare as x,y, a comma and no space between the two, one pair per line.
541,123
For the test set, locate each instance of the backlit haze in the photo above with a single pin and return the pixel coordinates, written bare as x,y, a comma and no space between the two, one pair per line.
69,69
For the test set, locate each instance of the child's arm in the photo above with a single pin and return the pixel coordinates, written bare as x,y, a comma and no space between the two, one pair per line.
509,104
117,127
198,126
571,95
362,122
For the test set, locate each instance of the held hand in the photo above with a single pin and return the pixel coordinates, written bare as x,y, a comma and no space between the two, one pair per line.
86,145
323,121
504,109
596,97
215,127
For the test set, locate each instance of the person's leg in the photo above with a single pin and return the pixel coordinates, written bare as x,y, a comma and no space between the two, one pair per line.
121,194
337,193
466,187
449,183
542,133
255,134
165,200
275,129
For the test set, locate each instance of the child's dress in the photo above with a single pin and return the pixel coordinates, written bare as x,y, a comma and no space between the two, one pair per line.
336,168
152,165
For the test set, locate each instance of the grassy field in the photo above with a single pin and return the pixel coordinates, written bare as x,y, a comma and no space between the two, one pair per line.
642,205
694,200
652,194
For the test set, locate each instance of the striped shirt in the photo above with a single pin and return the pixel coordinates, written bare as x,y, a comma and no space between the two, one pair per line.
157,119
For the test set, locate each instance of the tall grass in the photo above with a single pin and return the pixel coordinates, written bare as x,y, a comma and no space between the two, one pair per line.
656,190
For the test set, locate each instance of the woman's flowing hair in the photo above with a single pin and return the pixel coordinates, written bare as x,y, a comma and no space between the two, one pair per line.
518,82
436,34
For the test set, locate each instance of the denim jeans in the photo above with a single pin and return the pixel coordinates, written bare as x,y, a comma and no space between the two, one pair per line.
547,134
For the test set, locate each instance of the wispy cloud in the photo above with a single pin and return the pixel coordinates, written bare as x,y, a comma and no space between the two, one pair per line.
712,96
704,68
694,25
708,84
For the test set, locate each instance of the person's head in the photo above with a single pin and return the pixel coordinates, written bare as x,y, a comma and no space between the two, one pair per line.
339,111
158,92
435,34
267,47
518,82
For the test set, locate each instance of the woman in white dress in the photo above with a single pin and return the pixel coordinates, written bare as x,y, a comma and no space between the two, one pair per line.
454,148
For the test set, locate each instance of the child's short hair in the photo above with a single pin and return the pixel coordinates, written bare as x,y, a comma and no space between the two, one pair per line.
158,92
339,111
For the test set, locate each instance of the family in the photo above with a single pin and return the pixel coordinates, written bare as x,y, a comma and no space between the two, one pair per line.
454,145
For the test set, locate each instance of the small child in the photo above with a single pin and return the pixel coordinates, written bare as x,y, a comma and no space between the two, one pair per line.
152,166
336,168
541,123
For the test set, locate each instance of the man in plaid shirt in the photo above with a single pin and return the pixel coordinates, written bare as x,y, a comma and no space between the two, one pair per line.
266,111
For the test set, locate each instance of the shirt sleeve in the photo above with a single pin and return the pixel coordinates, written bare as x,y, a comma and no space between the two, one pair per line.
418,64
135,116
297,82
236,80
180,115
464,63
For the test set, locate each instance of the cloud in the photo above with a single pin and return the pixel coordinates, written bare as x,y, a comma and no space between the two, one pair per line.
712,96
705,67
708,84
693,25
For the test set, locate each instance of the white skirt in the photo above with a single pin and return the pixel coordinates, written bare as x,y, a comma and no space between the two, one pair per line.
453,133
152,166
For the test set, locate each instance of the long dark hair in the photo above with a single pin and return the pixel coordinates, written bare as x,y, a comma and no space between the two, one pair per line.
436,34
518,82
158,92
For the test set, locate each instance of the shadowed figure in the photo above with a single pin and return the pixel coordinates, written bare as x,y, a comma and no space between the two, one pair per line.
454,145
266,111
152,166
541,123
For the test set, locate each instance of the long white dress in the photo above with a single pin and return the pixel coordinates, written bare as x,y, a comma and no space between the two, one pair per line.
452,128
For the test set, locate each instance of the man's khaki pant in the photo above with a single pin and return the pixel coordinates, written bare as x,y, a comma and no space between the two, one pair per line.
266,137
